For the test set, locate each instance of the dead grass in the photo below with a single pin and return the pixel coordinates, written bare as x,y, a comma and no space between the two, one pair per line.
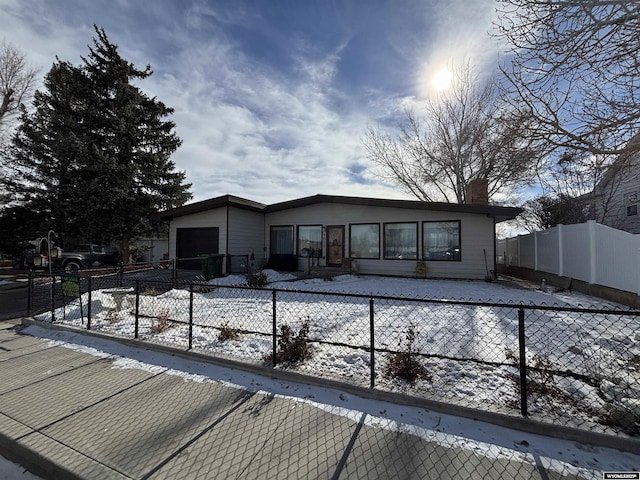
405,365
228,333
161,323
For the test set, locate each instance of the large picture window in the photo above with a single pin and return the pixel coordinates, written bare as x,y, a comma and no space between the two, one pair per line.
401,241
310,240
364,240
441,241
281,240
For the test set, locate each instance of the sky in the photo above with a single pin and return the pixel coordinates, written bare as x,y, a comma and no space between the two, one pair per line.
272,98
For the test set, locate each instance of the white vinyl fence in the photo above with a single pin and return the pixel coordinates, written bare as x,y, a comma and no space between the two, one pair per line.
588,251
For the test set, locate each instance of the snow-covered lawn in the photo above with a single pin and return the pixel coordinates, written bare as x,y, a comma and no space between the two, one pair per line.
588,363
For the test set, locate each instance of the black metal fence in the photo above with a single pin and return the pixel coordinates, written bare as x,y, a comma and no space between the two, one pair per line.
570,366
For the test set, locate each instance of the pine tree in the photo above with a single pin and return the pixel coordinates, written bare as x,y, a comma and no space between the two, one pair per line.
49,148
94,157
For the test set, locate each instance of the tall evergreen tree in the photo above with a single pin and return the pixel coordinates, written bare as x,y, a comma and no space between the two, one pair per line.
94,157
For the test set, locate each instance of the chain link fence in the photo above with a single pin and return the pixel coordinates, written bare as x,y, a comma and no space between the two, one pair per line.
568,366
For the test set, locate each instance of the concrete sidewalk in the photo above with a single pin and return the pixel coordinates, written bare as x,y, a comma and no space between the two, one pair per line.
69,414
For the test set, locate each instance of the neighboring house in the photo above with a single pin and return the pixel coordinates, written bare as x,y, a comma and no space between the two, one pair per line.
150,249
615,201
386,237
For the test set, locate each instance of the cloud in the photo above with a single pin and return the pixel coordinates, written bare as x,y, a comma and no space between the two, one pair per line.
271,105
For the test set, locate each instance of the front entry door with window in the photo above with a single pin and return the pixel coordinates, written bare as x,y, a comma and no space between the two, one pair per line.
335,245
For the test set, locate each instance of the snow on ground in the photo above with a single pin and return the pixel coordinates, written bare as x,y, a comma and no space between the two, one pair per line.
237,280
471,350
560,456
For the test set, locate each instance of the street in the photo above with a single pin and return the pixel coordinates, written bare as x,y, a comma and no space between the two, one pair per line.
14,302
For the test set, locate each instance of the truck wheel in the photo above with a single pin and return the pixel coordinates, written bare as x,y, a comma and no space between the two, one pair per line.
72,267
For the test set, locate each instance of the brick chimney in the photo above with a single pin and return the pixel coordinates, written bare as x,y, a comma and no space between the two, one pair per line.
477,192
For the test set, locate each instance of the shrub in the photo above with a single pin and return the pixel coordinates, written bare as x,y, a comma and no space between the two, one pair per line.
541,375
228,333
114,317
161,323
293,348
405,365
257,279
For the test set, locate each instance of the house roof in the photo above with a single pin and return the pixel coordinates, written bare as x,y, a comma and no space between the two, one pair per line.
498,212
210,204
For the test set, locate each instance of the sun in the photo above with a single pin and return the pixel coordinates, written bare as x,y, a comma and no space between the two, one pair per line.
442,79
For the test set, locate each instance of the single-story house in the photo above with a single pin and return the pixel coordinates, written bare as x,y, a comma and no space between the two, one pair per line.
384,237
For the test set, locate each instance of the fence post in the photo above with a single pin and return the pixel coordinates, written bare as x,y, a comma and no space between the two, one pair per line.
90,288
53,298
523,364
275,331
29,294
535,251
136,330
560,250
371,336
593,273
190,316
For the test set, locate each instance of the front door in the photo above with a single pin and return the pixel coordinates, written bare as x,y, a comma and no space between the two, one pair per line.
335,245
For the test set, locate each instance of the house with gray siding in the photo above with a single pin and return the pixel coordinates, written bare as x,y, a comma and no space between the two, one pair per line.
615,200
377,236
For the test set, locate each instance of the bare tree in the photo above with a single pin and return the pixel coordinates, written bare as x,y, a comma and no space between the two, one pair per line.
576,69
464,133
17,81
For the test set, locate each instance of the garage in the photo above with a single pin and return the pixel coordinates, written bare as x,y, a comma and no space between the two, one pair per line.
195,242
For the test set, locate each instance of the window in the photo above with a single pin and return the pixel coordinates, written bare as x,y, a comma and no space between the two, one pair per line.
310,241
401,241
364,240
632,210
441,241
281,239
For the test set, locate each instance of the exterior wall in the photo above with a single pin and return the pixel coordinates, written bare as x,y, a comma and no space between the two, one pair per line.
246,234
613,198
153,249
477,236
211,218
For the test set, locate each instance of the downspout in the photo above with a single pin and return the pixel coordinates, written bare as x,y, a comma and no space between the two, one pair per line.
226,246
264,238
169,241
495,248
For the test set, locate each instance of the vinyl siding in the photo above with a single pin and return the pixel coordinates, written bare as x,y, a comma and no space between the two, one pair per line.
477,236
612,195
246,233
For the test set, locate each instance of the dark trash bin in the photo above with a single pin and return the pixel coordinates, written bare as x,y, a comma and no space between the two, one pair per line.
212,266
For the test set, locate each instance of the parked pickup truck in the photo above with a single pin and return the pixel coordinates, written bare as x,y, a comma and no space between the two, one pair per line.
86,256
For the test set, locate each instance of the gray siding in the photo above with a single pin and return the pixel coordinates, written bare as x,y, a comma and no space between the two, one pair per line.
477,236
613,198
246,233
